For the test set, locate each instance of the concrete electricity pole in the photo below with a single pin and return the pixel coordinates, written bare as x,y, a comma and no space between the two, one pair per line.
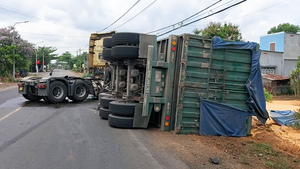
13,43
36,65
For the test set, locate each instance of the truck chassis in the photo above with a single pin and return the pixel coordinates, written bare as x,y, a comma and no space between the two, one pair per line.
56,89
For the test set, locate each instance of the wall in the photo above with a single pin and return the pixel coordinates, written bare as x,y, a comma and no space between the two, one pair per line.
278,38
292,46
289,65
269,58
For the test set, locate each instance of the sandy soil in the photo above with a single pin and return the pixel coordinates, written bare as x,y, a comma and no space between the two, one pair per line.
269,146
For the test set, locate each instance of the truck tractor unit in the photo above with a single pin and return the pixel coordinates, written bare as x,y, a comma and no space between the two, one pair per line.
56,89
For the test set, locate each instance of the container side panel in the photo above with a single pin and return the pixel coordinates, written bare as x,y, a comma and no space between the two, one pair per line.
217,75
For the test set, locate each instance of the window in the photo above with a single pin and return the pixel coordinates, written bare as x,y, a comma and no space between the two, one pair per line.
272,46
268,70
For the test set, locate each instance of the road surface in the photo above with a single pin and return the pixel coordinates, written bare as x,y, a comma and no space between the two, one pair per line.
71,135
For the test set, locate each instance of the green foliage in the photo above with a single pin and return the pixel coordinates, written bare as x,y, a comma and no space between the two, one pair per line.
268,155
76,69
66,59
227,31
88,75
295,79
25,53
268,96
285,27
79,60
297,117
44,52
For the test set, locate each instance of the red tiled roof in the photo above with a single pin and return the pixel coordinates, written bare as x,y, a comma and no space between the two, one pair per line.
274,77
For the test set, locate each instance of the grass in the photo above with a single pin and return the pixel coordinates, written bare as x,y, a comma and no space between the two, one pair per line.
268,96
270,157
244,161
265,149
297,117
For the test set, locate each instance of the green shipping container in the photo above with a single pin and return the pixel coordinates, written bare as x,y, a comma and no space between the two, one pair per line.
201,72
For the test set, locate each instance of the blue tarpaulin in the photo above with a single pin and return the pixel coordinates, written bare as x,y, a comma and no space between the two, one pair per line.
222,120
254,85
286,117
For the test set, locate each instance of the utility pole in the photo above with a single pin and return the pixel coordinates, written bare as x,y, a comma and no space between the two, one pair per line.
43,57
36,65
14,59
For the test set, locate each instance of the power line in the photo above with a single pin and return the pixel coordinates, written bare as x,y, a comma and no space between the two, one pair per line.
121,16
135,15
186,18
216,7
224,9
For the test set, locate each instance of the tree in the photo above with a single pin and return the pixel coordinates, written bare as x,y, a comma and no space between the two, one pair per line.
46,52
285,27
79,60
23,51
227,31
295,78
66,59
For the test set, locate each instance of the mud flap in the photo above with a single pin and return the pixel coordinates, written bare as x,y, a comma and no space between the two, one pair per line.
140,121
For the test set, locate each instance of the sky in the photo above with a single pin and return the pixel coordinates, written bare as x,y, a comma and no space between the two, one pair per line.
68,24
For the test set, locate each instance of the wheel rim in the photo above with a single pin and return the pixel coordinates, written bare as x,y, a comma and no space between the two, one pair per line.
80,91
57,92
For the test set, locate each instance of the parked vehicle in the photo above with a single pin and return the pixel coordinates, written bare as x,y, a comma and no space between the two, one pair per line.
23,73
184,83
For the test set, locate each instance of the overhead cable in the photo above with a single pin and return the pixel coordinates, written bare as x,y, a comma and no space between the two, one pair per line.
121,16
135,15
224,9
186,18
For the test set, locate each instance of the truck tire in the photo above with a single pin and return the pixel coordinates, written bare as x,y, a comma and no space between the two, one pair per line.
104,113
124,38
46,99
80,91
106,54
125,52
107,43
57,92
104,95
29,96
122,108
25,96
104,101
120,122
98,107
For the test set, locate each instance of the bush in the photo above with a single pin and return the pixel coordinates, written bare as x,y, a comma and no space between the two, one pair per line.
76,69
297,117
268,96
88,75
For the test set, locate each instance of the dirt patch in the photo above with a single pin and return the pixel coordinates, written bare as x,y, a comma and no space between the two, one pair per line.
78,74
6,85
269,146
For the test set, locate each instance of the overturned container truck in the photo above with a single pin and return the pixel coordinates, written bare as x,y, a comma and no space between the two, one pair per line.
183,83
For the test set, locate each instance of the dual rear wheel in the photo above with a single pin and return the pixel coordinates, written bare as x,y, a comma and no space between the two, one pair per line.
58,92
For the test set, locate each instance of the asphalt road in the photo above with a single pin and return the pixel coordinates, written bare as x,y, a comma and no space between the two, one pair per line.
71,135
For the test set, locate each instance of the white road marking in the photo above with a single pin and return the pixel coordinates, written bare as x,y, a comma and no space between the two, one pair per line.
10,114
